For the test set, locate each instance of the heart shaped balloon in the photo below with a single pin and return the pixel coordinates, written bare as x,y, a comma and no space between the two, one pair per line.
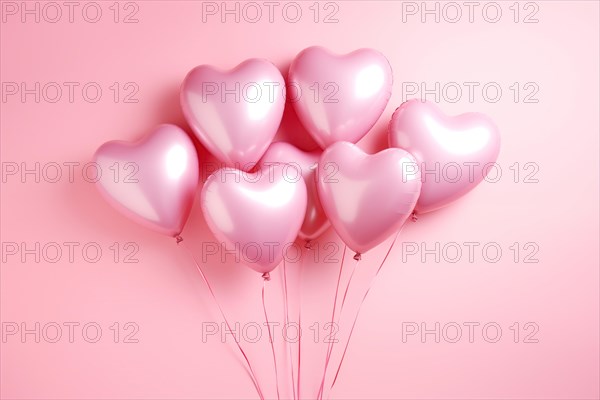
339,98
236,113
256,214
367,197
454,153
152,181
305,166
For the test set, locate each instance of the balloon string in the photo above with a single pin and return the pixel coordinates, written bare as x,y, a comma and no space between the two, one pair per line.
270,337
249,369
330,344
330,350
308,247
346,292
287,324
299,332
360,306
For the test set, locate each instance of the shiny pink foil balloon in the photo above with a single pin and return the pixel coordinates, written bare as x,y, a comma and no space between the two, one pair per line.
256,214
236,113
339,97
305,166
367,197
454,153
152,181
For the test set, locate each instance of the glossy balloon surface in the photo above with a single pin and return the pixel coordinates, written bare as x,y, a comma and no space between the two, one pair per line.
257,215
235,114
454,153
152,181
367,197
339,97
304,165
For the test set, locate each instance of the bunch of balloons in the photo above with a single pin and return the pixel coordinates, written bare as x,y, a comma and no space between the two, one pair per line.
268,194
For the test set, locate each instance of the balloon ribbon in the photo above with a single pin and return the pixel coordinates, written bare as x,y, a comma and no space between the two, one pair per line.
331,342
249,369
287,322
265,279
360,306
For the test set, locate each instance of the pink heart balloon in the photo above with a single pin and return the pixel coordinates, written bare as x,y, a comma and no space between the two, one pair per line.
339,97
236,113
454,153
367,197
305,164
256,214
152,181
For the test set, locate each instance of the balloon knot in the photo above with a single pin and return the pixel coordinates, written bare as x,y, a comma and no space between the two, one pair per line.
266,276
414,216
179,239
308,245
357,257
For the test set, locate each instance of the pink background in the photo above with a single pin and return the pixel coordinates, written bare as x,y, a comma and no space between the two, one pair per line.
163,293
